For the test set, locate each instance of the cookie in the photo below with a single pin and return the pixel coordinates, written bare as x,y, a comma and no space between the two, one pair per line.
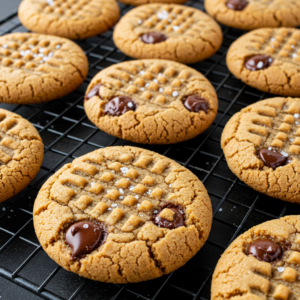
73,19
36,68
122,214
249,15
21,154
151,101
268,59
140,2
262,263
261,144
173,32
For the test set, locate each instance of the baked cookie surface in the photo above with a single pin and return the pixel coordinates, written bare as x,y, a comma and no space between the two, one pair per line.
249,15
173,32
73,19
262,263
36,68
151,101
21,154
261,144
140,2
143,214
268,59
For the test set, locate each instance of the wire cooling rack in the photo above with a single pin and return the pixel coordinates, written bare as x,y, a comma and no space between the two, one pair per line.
26,272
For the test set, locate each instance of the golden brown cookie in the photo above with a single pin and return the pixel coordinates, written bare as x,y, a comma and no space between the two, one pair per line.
173,32
122,214
249,14
36,68
262,263
268,59
261,144
151,101
21,154
73,19
140,2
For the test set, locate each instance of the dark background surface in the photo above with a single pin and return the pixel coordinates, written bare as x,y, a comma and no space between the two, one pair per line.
67,133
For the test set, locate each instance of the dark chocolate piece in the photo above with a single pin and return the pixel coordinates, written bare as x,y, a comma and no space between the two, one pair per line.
119,106
93,92
272,159
236,4
177,221
153,37
259,62
83,237
265,250
195,103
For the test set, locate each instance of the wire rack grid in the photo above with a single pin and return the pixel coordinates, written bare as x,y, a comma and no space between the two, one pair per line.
67,134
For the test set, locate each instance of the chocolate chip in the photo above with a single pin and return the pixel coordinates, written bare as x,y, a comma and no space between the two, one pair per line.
265,250
259,62
93,92
178,218
153,37
119,106
272,159
83,237
237,4
195,103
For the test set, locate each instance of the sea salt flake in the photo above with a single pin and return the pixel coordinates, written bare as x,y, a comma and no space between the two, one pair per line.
4,46
280,269
175,94
140,21
175,28
142,72
58,46
221,209
121,191
114,205
284,153
161,90
155,80
124,170
130,104
92,184
260,65
131,187
297,123
163,15
137,197
86,226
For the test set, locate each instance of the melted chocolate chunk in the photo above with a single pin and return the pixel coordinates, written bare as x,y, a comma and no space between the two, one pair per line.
177,221
153,37
236,4
259,62
272,159
265,250
119,106
195,103
83,237
95,90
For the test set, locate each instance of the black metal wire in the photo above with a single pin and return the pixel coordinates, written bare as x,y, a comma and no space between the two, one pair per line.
67,134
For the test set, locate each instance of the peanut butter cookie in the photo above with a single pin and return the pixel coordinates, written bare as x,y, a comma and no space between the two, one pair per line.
173,32
261,144
263,263
21,154
36,68
268,59
151,101
73,19
253,14
140,2
122,214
